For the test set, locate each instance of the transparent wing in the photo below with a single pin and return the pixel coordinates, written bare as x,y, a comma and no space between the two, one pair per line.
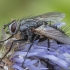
50,16
53,33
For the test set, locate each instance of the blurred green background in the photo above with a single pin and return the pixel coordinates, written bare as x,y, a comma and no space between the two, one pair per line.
18,9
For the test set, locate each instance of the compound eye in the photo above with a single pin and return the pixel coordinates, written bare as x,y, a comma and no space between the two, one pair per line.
13,27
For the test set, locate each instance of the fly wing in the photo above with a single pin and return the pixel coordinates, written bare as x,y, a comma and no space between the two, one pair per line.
53,33
50,16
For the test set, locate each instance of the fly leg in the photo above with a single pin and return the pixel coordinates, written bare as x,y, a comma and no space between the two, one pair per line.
15,41
29,48
6,39
48,44
49,65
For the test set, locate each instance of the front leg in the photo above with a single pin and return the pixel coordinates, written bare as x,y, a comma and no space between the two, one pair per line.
15,41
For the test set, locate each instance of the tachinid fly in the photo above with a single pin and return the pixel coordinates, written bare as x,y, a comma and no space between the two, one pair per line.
38,25
26,26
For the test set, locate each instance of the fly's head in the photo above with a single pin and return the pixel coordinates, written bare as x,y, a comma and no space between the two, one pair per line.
13,27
